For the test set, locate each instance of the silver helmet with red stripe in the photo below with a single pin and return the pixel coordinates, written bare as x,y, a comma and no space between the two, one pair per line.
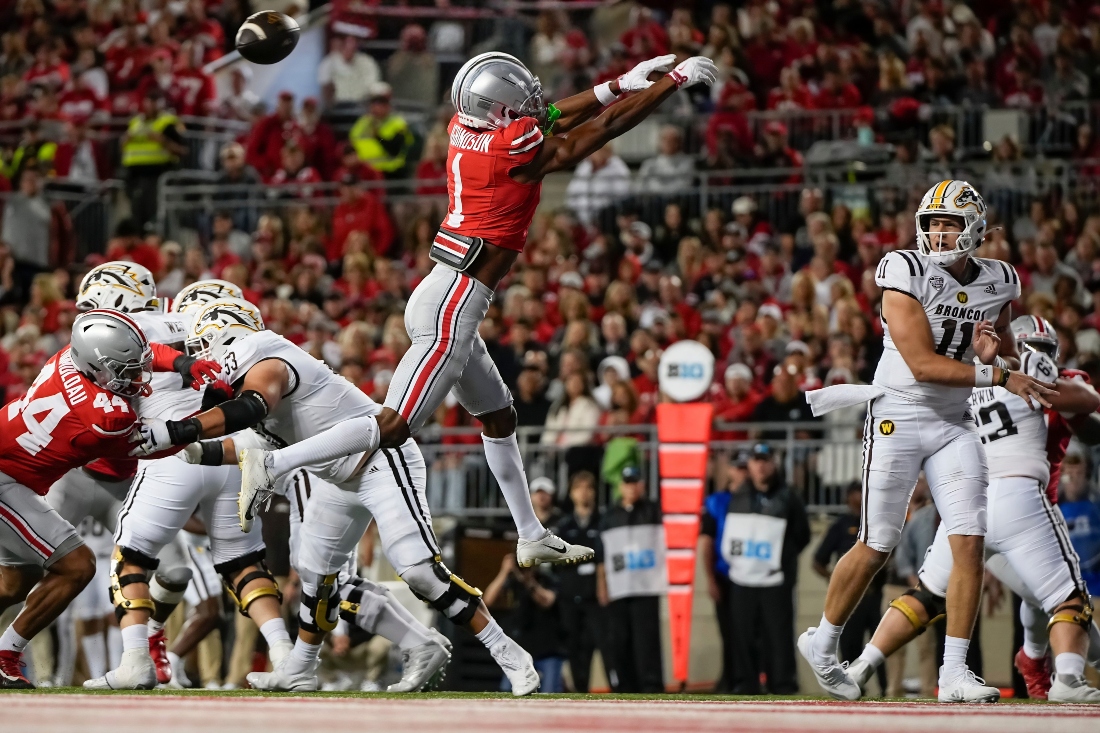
493,89
112,350
1035,333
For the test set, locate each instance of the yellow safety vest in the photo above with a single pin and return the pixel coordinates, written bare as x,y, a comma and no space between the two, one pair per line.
140,149
367,136
44,156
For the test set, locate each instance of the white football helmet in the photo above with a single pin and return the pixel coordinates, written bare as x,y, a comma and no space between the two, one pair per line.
956,199
221,323
120,286
204,291
111,350
1035,333
493,89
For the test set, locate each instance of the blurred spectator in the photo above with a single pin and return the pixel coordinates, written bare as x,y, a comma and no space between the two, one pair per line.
1080,506
33,149
582,618
836,91
270,134
79,158
629,583
127,244
241,101
839,538
737,401
786,403
413,70
548,47
29,229
380,137
600,180
715,566
433,167
671,170
1064,82
572,418
359,211
153,145
346,74
765,514
534,624
293,168
530,401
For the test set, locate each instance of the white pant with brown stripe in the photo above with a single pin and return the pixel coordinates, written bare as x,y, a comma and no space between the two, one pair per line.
447,353
31,531
1027,546
900,439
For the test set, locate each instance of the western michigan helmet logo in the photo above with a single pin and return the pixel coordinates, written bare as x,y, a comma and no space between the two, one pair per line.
886,427
962,297
967,196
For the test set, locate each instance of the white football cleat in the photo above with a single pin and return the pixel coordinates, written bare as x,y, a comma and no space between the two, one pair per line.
422,663
1064,688
277,681
832,677
135,672
518,667
861,673
967,687
257,485
551,549
279,651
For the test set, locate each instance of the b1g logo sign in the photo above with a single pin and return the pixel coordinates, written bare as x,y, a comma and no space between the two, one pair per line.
634,560
751,549
686,371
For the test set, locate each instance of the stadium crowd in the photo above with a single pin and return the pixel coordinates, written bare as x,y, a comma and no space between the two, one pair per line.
630,263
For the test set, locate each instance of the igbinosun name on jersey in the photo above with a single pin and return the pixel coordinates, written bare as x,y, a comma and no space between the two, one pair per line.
464,140
954,311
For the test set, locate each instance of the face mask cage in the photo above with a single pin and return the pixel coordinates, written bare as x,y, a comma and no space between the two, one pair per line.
127,379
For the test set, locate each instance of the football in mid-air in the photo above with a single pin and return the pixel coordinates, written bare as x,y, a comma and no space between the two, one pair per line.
267,37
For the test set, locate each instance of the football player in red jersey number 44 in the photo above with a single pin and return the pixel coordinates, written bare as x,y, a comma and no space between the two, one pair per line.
77,410
503,140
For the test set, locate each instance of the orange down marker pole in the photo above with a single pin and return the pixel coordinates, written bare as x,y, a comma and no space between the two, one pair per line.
683,436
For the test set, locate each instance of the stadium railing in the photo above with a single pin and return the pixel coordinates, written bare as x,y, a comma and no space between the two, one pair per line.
92,209
818,460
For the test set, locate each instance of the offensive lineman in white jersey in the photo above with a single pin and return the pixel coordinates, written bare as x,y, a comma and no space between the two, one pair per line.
288,395
98,489
941,309
1027,543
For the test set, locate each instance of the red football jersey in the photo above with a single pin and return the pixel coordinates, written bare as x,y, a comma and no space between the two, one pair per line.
65,420
484,200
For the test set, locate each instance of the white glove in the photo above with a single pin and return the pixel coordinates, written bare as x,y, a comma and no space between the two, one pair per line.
191,453
636,79
697,69
152,436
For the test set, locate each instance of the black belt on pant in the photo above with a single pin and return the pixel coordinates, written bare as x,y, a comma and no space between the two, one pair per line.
454,250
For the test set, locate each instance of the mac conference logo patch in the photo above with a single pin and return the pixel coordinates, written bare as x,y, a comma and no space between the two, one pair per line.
886,427
962,297
936,281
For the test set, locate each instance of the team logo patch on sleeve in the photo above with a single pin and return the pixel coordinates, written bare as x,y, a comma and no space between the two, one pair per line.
936,282
962,297
886,427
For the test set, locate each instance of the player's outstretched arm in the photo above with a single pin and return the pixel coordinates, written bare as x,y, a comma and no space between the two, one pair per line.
581,107
562,152
906,316
1074,396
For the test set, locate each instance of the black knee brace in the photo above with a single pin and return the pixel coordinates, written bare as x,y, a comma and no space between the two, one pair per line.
227,570
319,613
167,589
122,604
459,602
934,606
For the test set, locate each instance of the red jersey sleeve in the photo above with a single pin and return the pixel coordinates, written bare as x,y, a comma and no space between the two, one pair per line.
522,138
164,357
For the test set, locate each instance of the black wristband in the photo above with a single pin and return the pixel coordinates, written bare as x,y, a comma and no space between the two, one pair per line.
1005,374
212,453
182,432
182,365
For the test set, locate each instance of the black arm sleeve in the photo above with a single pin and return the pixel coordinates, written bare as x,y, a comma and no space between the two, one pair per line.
244,411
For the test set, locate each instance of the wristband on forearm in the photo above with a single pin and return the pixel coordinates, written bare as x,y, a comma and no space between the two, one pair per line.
604,93
1003,379
182,432
983,375
212,453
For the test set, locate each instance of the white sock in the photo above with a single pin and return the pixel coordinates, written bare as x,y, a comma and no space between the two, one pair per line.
155,626
1070,664
1036,639
506,463
492,634
389,624
274,631
873,656
95,654
11,641
826,639
114,646
954,657
135,636
357,435
179,670
302,659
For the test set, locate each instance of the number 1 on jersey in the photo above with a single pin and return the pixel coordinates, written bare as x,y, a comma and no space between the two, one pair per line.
949,327
454,219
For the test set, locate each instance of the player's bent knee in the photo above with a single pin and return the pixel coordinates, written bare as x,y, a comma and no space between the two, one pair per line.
433,583
500,423
238,574
320,605
167,589
120,598
1076,610
932,607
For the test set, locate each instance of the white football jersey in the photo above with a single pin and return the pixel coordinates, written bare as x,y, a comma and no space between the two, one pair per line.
318,398
171,399
1014,435
953,309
